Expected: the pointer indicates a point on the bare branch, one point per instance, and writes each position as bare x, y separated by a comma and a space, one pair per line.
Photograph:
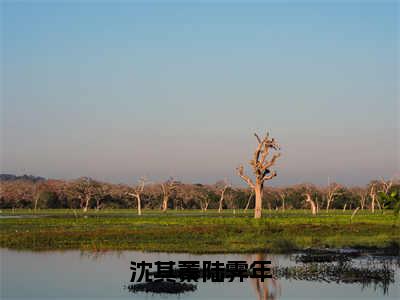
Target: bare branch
386, 185
271, 162
272, 175
133, 195
240, 172
257, 137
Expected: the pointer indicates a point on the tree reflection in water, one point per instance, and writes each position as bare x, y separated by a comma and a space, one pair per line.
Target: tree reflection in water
270, 288
99, 255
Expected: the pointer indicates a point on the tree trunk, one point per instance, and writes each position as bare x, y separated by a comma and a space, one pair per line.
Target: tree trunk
202, 206
248, 203
379, 204
258, 192
220, 203
165, 203
312, 203
373, 204
221, 200
36, 201
139, 206
85, 209
327, 205
97, 205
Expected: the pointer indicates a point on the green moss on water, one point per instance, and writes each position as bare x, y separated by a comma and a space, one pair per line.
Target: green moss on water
194, 231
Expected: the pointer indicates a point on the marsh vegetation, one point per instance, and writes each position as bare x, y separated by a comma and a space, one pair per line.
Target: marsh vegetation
195, 231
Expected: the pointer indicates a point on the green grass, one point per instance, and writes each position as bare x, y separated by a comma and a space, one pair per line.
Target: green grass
193, 231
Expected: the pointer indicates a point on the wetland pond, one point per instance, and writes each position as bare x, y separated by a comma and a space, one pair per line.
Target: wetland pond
107, 275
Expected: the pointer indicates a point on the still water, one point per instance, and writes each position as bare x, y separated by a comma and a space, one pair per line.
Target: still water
83, 275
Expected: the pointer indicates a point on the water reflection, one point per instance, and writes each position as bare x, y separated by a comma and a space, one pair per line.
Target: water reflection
101, 254
84, 275
270, 288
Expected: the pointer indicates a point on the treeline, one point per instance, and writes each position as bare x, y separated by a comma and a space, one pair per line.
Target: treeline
86, 193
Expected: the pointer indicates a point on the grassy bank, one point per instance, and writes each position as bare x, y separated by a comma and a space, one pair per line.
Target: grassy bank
194, 231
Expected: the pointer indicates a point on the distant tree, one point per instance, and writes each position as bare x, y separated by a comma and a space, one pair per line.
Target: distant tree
313, 206
85, 189
167, 188
385, 186
221, 187
231, 199
117, 196
373, 194
191, 196
309, 193
241, 196
331, 192
362, 194
282, 194
137, 192
17, 193
201, 193
389, 196
49, 199
392, 201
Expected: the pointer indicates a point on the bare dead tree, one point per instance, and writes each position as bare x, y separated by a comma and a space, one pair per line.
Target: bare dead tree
312, 204
386, 185
248, 201
362, 193
372, 194
167, 188
204, 202
137, 192
317, 204
282, 195
231, 200
261, 169
36, 197
85, 189
104, 189
375, 187
224, 186
331, 192
202, 195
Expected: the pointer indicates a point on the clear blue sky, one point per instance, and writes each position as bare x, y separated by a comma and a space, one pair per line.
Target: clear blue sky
119, 91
